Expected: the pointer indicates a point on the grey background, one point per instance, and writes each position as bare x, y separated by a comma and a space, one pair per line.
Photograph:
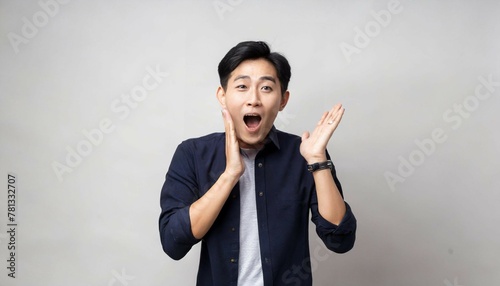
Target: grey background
97, 225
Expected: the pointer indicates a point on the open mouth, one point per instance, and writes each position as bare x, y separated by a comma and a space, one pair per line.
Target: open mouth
252, 121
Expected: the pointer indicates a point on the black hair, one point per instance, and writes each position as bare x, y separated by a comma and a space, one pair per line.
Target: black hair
254, 50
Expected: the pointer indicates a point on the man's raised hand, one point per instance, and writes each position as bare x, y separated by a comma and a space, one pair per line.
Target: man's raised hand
314, 144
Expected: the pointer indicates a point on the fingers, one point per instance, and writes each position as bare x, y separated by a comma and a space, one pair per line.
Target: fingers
228, 124
227, 118
332, 116
335, 115
322, 120
234, 163
231, 139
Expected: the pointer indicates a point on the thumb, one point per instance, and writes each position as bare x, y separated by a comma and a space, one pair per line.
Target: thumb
305, 135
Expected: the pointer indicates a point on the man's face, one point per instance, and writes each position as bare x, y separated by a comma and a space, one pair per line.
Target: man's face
253, 98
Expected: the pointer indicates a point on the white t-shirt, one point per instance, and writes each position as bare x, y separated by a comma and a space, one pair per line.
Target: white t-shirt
249, 261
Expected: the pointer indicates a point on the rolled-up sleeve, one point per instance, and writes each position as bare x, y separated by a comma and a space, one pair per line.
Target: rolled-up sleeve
179, 191
338, 238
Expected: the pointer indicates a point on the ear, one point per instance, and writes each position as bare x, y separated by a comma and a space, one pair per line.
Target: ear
221, 96
284, 100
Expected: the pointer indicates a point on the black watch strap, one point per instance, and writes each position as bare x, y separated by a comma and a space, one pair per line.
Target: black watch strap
320, 166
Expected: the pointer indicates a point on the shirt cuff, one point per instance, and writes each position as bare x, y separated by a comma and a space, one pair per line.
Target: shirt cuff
183, 234
346, 225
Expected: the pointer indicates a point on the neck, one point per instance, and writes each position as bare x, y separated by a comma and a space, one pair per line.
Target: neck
244, 145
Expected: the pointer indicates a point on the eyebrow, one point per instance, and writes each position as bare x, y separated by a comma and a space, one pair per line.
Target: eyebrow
266, 77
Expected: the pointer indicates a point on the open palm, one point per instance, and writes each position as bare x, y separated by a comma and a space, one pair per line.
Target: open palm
314, 144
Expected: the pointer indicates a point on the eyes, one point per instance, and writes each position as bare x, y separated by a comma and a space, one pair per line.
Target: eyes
265, 88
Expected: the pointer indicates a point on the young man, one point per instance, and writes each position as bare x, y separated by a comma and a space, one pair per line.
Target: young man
247, 193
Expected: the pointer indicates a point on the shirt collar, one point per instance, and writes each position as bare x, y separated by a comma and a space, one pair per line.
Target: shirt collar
272, 137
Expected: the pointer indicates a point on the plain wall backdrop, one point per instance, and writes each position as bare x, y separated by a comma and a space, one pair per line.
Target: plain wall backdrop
96, 95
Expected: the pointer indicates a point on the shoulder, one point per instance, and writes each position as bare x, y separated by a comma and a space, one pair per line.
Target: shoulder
207, 142
206, 139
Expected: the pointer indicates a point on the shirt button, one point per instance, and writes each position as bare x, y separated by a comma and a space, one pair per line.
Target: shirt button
261, 194
260, 165
233, 229
233, 260
234, 196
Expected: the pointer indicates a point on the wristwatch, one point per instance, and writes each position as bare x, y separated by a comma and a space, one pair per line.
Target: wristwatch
320, 166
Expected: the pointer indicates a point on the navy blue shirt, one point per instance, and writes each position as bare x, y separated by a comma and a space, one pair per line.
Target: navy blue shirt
285, 193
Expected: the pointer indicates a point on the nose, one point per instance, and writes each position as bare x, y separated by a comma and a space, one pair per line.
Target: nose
253, 98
